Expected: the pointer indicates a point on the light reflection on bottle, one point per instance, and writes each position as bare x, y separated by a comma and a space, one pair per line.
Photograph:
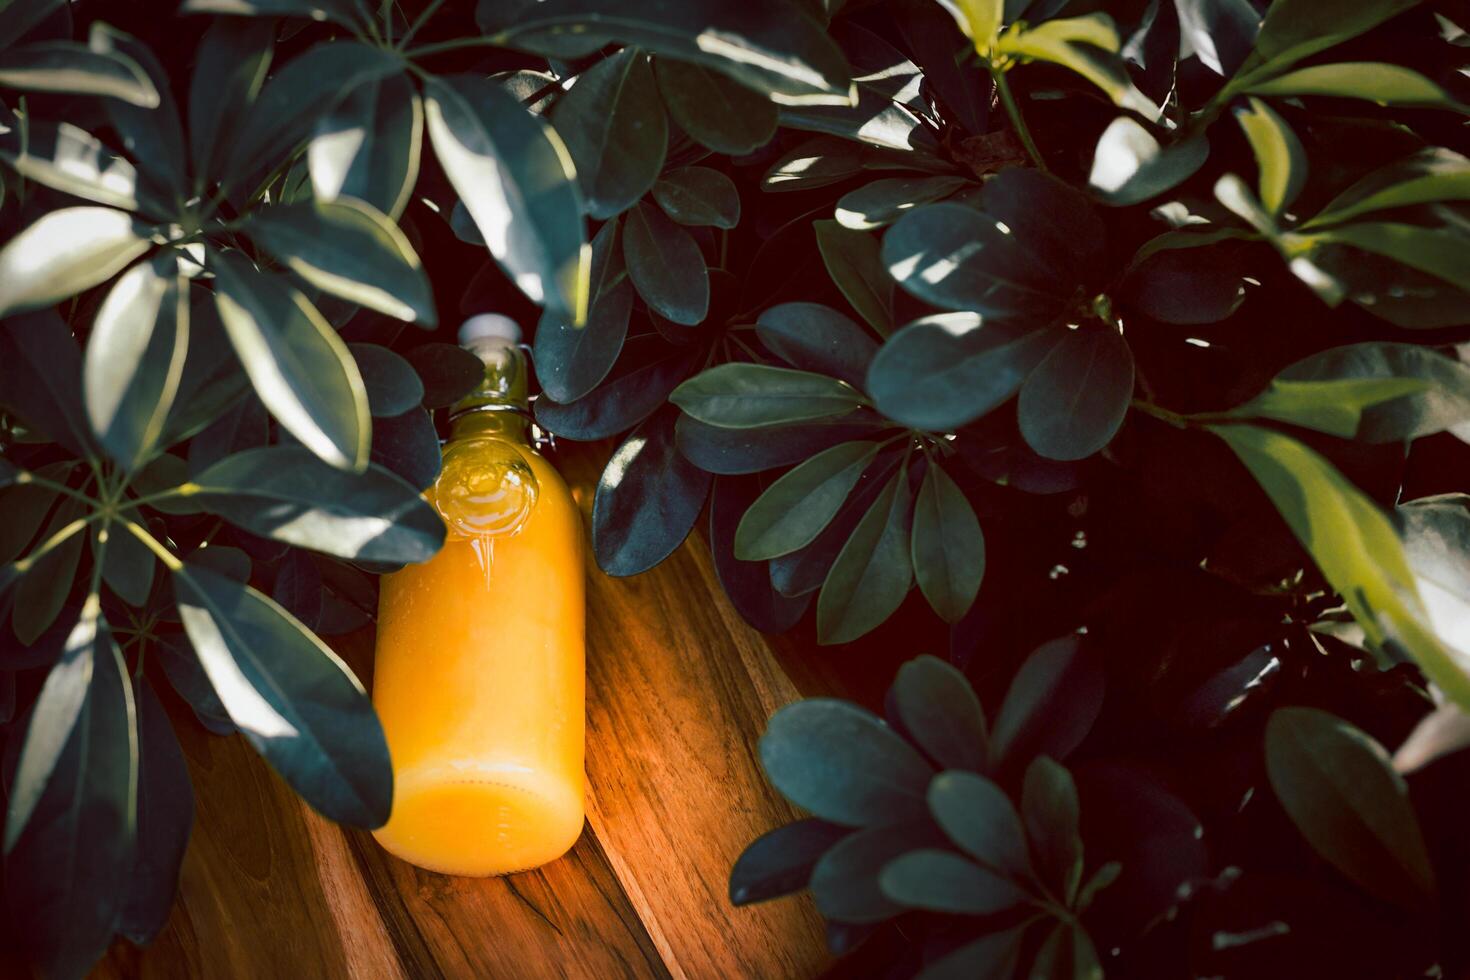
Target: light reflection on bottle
485, 490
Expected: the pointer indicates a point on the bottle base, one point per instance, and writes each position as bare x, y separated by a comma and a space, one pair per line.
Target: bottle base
482, 826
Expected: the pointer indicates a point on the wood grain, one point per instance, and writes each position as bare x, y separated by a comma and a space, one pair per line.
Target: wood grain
679, 690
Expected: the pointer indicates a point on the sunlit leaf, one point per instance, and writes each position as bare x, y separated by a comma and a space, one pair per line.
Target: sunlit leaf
66, 66
65, 252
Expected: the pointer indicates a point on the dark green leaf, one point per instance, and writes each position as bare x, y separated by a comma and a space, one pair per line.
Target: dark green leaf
698, 196
298, 95
884, 201
1054, 221
948, 546
64, 253
67, 875
732, 451
816, 163
188, 679
944, 371
294, 700
992, 957
393, 386
408, 445
1050, 706
742, 396
648, 498
638, 386
41, 377
300, 368
1432, 174
1130, 166
873, 571
66, 66
515, 177
817, 338
939, 710
854, 262
151, 135
1072, 405
747, 584
1184, 285
25, 507
1295, 29
613, 124
165, 814
666, 266
128, 567
1067, 953
1341, 791
31, 15
571, 360
962, 259
351, 250
1440, 252
942, 881
1050, 810
1220, 31
844, 764
876, 119
368, 146
135, 358
232, 61
343, 12
47, 580
756, 42
1374, 81
796, 508
245, 425
805, 570
70, 160
845, 881
780, 861
979, 817
448, 372
164, 472
715, 111
1279, 155
283, 492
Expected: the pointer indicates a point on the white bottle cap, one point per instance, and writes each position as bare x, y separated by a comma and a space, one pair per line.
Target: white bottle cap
492, 327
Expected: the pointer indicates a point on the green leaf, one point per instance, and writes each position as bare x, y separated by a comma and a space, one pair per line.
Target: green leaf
718, 113
40, 378
67, 876
165, 811
1341, 791
448, 371
48, 575
698, 196
780, 861
948, 546
1086, 45
942, 881
393, 386
368, 146
872, 574
1294, 29
1050, 810
747, 396
1067, 953
285, 493
748, 585
66, 66
571, 361
941, 372
64, 253
1436, 533
959, 258
613, 124
1050, 706
70, 160
297, 95
647, 500
1440, 252
1279, 155
298, 704
128, 567
152, 136
1221, 31
885, 201
855, 263
300, 368
738, 451
24, 16
845, 881
981, 819
351, 250
796, 508
817, 338
644, 376
515, 177
938, 709
1352, 542
1433, 174
666, 266
1073, 404
1101, 879
343, 12
135, 358
992, 957
1377, 82
232, 61
876, 120
844, 764
1130, 165
1334, 406
816, 163
756, 42
53, 719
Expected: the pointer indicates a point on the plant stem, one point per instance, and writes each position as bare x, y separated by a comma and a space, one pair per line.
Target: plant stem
26, 476
455, 45
418, 22
385, 12
182, 490
169, 559
56, 540
1018, 122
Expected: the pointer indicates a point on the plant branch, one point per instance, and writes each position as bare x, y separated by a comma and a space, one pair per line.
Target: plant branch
455, 45
169, 559
418, 22
1018, 122
27, 477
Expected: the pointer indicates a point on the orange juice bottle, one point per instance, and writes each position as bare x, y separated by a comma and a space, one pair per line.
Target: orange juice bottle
480, 673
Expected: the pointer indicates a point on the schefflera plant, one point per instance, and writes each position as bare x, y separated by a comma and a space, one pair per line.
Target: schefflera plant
969, 830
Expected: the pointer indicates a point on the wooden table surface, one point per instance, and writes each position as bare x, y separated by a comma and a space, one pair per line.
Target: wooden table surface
679, 689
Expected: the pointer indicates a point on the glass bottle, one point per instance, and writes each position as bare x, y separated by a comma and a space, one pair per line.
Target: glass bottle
480, 672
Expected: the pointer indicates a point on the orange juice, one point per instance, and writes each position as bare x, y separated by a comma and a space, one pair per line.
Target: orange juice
480, 671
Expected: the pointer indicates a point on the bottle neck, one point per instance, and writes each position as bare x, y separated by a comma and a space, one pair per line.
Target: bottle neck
499, 407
